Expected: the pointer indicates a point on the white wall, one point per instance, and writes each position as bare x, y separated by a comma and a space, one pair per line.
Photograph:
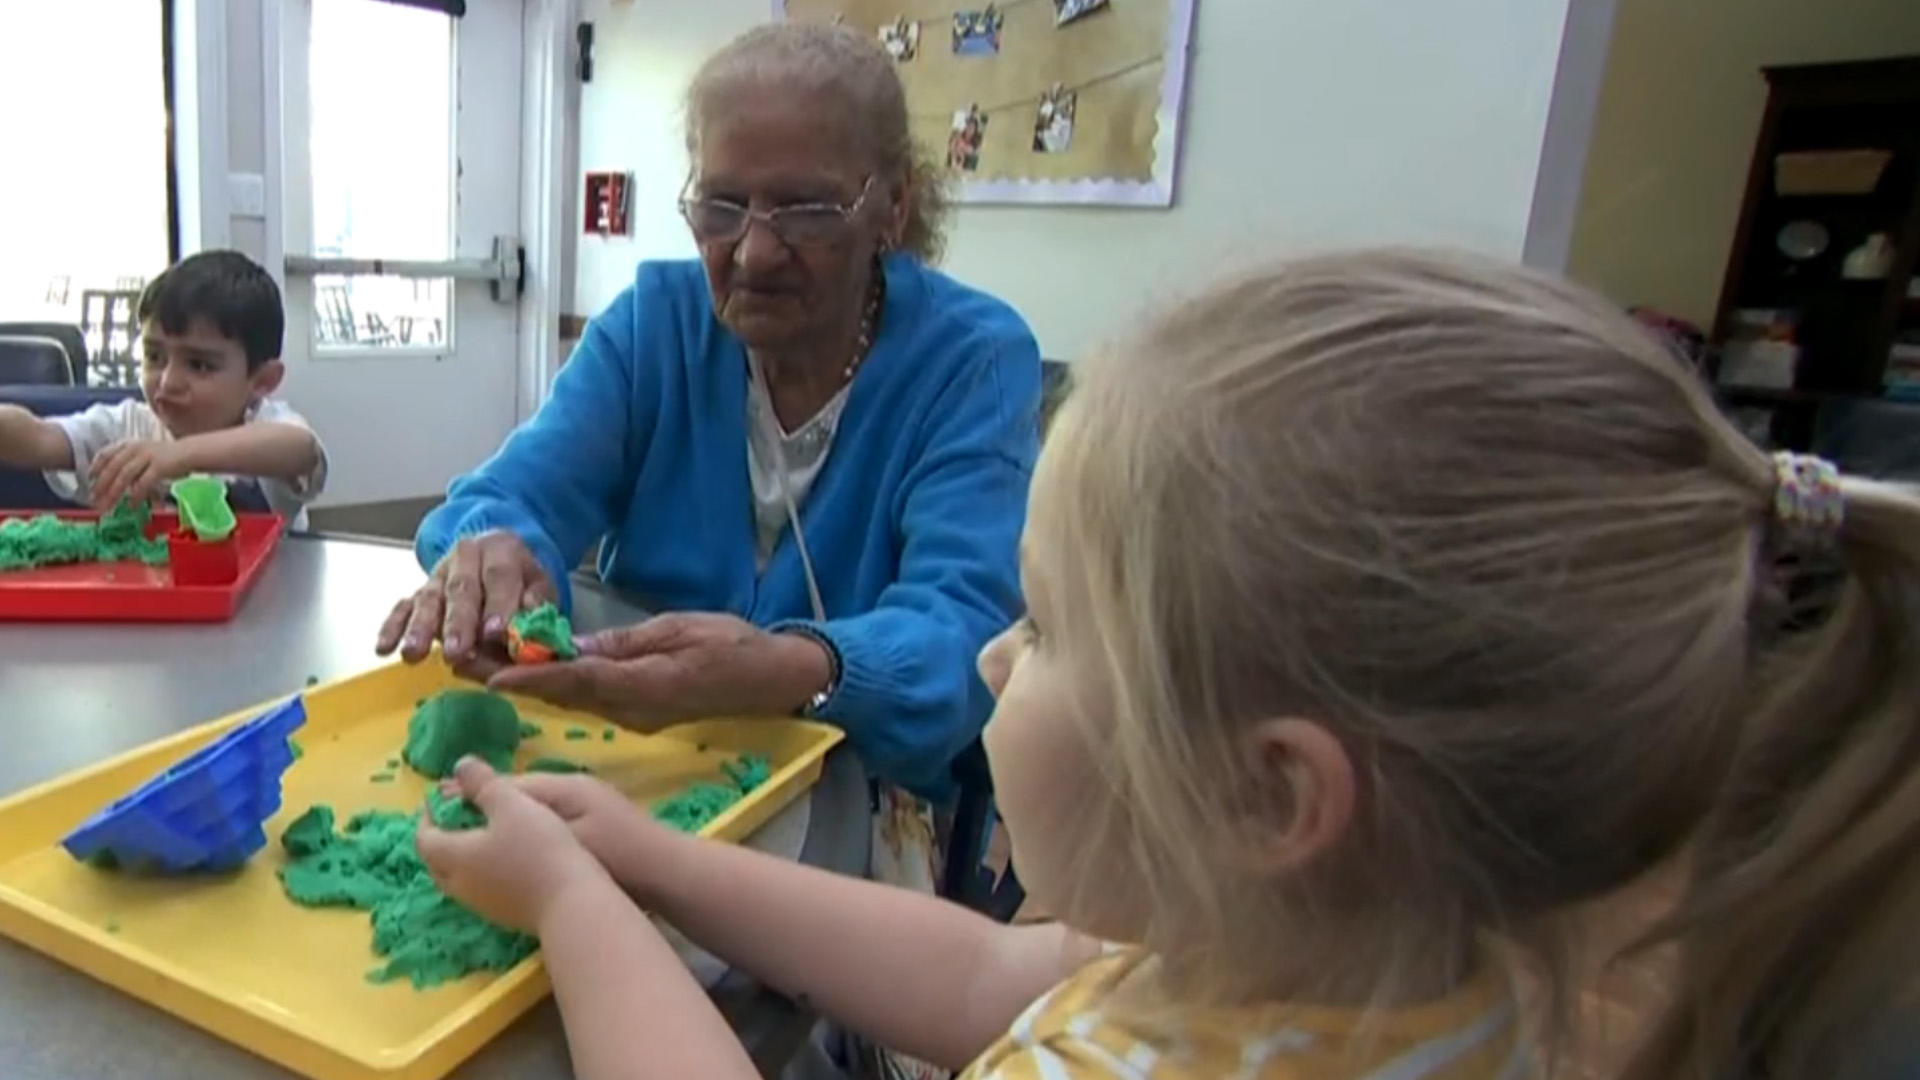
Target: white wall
1308, 123
643, 56
249, 123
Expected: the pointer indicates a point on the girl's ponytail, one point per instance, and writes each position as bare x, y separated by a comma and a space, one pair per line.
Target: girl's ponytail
1800, 956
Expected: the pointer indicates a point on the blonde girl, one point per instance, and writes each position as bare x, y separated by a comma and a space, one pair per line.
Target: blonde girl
1385, 610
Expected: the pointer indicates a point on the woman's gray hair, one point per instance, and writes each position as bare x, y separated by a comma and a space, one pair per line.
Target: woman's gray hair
840, 63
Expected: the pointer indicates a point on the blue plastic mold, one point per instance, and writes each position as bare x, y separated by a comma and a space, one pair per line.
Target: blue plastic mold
203, 814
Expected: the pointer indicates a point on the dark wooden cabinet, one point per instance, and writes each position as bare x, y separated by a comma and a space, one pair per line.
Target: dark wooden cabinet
1794, 248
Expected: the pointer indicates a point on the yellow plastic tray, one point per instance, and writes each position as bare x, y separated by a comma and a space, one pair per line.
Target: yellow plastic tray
234, 956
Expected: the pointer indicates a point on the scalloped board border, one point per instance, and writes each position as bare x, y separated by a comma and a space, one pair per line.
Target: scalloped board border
1107, 191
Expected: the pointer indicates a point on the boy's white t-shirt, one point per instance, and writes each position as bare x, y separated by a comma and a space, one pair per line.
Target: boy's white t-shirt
103, 425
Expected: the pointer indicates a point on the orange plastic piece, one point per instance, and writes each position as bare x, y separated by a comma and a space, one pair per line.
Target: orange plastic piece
526, 652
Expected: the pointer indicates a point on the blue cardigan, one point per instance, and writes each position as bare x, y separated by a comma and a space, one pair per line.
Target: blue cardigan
913, 523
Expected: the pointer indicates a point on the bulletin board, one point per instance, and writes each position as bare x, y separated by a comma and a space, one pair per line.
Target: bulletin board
1037, 101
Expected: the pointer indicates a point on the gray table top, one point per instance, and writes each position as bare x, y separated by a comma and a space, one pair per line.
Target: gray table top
74, 695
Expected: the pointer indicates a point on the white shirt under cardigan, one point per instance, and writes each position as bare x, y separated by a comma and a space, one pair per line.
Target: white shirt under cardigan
805, 451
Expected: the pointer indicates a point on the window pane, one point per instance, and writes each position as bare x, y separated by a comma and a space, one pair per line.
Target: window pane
381, 86
83, 191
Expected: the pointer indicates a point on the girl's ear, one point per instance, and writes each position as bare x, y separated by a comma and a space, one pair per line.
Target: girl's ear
1301, 797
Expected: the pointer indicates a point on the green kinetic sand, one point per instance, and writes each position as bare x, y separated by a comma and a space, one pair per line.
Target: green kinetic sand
423, 935
692, 809
453, 813
556, 765
575, 734
120, 535
373, 866
455, 723
529, 730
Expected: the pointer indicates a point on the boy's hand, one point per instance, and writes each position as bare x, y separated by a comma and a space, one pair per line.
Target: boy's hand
519, 864
135, 468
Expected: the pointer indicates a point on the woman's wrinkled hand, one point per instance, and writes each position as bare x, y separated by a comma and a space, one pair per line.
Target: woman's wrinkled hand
466, 603
677, 667
514, 869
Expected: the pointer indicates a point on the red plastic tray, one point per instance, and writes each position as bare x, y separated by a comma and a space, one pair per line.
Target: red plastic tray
131, 591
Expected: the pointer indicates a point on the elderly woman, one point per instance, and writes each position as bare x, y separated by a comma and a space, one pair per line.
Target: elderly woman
808, 450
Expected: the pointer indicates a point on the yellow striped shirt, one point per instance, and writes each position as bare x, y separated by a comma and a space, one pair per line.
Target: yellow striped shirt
1472, 1034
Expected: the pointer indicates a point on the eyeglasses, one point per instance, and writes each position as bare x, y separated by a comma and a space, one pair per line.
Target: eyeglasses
803, 224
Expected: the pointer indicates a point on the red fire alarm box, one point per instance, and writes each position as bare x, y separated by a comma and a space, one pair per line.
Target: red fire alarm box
606, 202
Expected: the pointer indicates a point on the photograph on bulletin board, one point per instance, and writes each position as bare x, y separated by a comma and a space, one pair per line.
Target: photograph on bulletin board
1036, 101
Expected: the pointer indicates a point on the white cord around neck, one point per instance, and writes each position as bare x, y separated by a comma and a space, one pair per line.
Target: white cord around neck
786, 492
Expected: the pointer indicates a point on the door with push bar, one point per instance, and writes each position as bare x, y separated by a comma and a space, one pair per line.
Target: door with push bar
401, 187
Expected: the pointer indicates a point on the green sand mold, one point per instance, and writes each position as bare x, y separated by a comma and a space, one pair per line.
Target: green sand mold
120, 535
203, 506
455, 723
373, 865
545, 625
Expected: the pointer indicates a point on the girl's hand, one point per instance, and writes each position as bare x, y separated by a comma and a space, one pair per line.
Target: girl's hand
625, 839
515, 868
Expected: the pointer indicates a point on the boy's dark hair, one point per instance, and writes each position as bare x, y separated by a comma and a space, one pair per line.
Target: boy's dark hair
227, 289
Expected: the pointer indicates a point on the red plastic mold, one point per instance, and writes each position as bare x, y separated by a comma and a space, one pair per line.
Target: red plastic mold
197, 562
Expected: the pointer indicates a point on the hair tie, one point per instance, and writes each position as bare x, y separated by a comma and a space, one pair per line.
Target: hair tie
1807, 502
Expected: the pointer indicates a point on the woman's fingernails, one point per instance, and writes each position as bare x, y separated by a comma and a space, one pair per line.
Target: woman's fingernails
496, 625
457, 645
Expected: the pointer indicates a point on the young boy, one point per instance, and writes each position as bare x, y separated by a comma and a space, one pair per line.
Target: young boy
210, 331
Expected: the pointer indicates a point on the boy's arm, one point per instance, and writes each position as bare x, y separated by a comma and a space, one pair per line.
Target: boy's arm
630, 1009
914, 973
28, 442
268, 448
